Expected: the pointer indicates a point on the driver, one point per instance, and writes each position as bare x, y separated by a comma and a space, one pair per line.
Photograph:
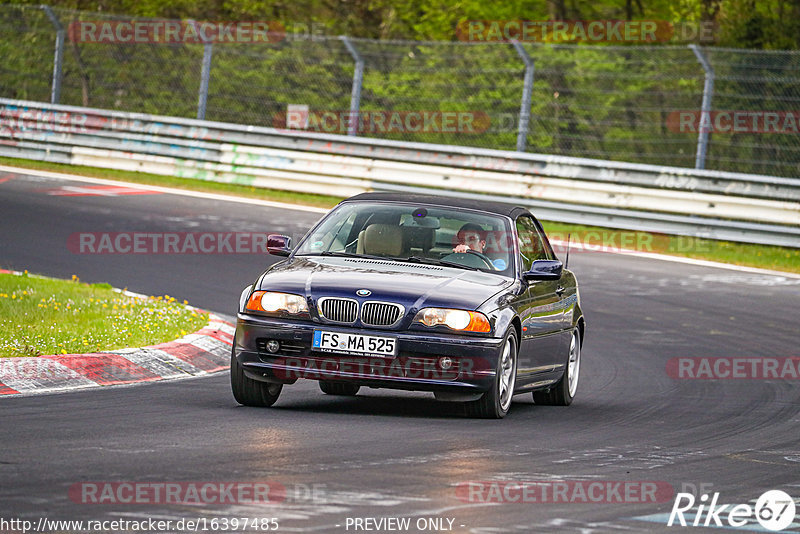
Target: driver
470, 237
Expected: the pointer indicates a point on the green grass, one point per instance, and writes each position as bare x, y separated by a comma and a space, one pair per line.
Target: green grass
762, 256
44, 316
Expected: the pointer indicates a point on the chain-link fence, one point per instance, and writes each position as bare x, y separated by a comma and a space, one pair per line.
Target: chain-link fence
628, 103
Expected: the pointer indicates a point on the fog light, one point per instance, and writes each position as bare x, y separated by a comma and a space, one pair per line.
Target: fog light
273, 345
445, 362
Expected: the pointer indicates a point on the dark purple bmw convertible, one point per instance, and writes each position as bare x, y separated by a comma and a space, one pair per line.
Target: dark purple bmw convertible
463, 298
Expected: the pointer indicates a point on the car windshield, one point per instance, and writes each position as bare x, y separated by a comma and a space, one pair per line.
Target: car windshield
414, 233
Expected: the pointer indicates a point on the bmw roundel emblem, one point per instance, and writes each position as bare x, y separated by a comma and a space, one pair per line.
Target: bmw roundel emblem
363, 292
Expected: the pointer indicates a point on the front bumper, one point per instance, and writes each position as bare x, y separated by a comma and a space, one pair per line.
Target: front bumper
415, 367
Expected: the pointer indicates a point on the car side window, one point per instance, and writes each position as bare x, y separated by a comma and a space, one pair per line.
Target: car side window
532, 245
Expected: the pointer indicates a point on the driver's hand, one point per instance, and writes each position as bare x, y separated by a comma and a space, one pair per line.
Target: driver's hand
462, 248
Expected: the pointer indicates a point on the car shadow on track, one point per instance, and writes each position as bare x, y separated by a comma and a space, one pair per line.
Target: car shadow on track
389, 406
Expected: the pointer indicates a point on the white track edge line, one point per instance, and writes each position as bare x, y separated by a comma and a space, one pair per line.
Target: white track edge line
310, 209
162, 189
681, 259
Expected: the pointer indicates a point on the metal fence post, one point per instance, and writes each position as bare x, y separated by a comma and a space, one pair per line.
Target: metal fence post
58, 60
358, 78
205, 71
527, 90
205, 74
705, 109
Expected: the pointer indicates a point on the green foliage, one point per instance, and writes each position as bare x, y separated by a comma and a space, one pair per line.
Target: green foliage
768, 24
597, 101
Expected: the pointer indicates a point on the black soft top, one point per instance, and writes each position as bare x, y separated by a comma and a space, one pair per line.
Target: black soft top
498, 208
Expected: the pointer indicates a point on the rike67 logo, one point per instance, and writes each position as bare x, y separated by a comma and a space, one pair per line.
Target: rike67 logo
774, 510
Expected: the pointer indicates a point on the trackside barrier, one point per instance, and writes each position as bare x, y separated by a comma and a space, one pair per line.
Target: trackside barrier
671, 200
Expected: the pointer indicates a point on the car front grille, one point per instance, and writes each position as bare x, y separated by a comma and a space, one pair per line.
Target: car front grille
338, 310
373, 313
380, 313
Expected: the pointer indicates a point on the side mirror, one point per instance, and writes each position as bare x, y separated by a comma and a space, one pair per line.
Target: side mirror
544, 270
279, 245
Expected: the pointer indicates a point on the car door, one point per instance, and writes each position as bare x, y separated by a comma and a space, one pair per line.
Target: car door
540, 306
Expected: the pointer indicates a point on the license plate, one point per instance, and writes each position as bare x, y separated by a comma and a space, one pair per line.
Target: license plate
346, 343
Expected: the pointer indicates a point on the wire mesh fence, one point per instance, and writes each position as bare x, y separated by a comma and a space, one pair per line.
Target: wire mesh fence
627, 103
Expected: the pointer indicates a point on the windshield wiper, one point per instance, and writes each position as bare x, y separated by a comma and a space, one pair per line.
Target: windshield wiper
410, 259
347, 255
337, 254
433, 261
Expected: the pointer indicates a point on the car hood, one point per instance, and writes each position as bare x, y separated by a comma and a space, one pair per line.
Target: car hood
410, 284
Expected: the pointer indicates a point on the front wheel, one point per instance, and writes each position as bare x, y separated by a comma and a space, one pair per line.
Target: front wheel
562, 393
494, 404
251, 392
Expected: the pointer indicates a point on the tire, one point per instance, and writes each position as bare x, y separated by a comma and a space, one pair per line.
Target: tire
251, 392
338, 388
495, 403
562, 393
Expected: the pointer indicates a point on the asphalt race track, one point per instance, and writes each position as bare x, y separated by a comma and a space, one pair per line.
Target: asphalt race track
386, 454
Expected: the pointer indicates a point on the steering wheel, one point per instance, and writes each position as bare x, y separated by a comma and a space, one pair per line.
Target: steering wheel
483, 258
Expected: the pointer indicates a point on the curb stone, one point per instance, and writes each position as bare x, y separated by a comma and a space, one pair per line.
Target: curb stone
199, 353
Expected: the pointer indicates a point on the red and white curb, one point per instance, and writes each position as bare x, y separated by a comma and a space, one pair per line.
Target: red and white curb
206, 351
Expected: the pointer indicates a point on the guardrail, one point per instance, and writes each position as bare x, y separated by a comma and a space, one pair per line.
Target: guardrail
672, 200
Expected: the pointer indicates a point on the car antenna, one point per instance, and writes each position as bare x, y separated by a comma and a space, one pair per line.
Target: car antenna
566, 263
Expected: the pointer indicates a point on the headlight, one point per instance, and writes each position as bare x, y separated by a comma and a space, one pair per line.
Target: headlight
466, 321
270, 301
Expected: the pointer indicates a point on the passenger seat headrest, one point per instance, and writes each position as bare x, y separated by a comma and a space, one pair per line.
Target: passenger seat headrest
384, 240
